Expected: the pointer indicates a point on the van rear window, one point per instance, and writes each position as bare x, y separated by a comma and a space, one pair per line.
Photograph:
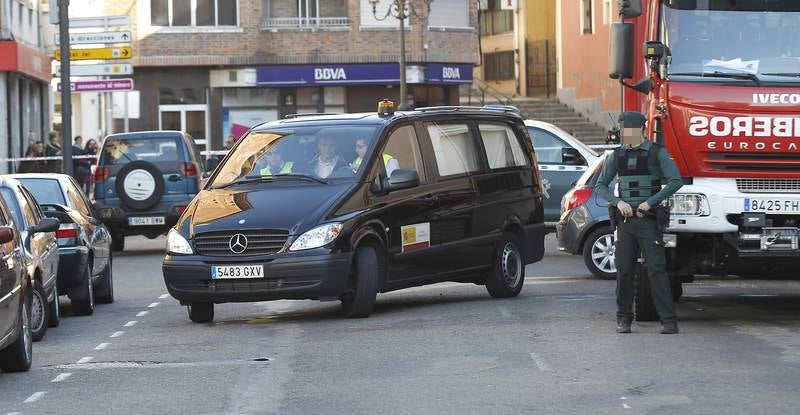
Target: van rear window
117, 151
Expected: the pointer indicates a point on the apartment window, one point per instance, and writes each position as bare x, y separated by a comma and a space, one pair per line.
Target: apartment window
607, 17
183, 13
449, 14
587, 27
304, 13
498, 66
495, 21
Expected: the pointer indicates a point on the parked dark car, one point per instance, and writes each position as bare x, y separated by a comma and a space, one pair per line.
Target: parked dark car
85, 273
40, 250
144, 181
344, 207
16, 343
562, 159
585, 228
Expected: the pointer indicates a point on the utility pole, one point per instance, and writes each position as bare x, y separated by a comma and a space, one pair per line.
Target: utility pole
66, 87
403, 87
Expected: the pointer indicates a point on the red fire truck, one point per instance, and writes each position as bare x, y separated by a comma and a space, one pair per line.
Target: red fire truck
719, 81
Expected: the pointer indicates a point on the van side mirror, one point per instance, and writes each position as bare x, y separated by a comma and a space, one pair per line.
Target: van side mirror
572, 157
630, 8
403, 179
620, 51
6, 234
46, 225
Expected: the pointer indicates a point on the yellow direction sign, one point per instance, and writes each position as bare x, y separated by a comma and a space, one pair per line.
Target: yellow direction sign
97, 54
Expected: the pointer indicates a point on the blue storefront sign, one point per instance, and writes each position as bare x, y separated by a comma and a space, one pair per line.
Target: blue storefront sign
443, 73
365, 74
321, 75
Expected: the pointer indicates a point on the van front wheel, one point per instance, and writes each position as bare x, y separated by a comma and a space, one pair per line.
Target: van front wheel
508, 274
362, 300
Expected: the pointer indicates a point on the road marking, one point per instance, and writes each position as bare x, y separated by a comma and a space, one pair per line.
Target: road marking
504, 312
142, 313
540, 363
14, 413
757, 295
35, 397
153, 305
117, 334
163, 296
130, 323
102, 346
85, 359
626, 406
62, 377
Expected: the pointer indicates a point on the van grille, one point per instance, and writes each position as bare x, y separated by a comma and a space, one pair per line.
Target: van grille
259, 242
768, 185
755, 162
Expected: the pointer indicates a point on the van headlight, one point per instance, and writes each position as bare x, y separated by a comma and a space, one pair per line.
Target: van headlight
317, 237
177, 244
685, 204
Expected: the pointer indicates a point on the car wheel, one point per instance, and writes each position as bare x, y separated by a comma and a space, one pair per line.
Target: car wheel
508, 275
599, 253
367, 269
117, 242
201, 312
105, 293
39, 314
17, 357
85, 307
54, 309
644, 307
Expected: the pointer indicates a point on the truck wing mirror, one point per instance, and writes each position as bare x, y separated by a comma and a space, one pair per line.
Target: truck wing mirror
620, 64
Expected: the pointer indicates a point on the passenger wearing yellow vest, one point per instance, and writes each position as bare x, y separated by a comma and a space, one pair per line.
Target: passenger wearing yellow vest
389, 162
275, 164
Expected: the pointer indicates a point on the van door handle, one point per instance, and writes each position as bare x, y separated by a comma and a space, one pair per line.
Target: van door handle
175, 178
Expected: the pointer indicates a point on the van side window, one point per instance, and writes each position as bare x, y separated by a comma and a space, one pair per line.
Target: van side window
402, 152
454, 148
502, 146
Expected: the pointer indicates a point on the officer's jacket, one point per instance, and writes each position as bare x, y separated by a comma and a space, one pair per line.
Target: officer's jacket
640, 175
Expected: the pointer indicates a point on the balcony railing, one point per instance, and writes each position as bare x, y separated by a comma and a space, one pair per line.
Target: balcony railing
303, 22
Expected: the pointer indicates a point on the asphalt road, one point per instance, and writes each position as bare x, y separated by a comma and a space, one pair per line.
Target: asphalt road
443, 349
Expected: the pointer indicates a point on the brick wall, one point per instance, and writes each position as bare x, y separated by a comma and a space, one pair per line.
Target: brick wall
253, 46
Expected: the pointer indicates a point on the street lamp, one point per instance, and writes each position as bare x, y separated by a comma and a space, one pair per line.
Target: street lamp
400, 10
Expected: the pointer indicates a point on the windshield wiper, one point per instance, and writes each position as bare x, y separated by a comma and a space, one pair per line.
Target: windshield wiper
786, 74
301, 176
246, 180
265, 178
717, 74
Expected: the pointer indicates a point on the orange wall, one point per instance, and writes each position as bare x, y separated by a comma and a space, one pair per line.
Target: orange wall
584, 58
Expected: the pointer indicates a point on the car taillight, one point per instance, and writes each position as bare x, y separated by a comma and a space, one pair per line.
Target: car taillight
189, 169
181, 209
100, 175
67, 233
578, 197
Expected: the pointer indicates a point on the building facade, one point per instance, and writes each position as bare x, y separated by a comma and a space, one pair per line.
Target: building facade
518, 47
217, 67
25, 98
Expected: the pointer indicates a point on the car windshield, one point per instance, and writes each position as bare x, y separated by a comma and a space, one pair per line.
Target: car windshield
119, 151
315, 152
46, 191
747, 39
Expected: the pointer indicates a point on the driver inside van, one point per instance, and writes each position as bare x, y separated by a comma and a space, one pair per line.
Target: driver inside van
275, 163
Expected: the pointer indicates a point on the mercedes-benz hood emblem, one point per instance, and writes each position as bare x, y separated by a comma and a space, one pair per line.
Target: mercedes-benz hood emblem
238, 243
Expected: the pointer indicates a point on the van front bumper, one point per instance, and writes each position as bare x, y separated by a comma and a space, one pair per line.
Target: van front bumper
286, 276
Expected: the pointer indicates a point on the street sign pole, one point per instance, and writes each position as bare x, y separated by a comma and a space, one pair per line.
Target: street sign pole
66, 93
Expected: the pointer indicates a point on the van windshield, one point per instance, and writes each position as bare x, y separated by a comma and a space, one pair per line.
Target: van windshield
319, 152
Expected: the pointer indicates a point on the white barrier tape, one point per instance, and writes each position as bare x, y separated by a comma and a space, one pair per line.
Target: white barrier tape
604, 146
214, 152
46, 158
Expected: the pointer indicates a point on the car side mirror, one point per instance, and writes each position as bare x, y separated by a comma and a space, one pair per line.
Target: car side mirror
46, 225
403, 179
6, 234
571, 157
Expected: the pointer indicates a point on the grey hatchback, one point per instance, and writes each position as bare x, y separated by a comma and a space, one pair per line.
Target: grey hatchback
144, 181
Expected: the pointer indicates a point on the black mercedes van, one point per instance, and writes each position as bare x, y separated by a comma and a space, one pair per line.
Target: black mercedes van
343, 207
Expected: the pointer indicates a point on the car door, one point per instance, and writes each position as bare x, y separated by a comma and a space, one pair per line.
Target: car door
557, 174
455, 154
42, 245
9, 283
405, 213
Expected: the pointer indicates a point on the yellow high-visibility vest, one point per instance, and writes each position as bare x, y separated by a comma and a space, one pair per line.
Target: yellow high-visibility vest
287, 168
386, 159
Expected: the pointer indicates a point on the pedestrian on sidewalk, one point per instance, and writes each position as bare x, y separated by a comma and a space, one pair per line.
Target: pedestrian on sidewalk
80, 166
52, 148
35, 149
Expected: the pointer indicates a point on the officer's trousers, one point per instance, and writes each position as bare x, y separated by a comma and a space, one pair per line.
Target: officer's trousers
634, 234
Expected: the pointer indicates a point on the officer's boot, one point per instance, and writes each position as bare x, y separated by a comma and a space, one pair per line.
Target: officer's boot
624, 324
669, 327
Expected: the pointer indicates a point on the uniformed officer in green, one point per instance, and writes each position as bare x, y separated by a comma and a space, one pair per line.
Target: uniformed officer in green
276, 164
642, 167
